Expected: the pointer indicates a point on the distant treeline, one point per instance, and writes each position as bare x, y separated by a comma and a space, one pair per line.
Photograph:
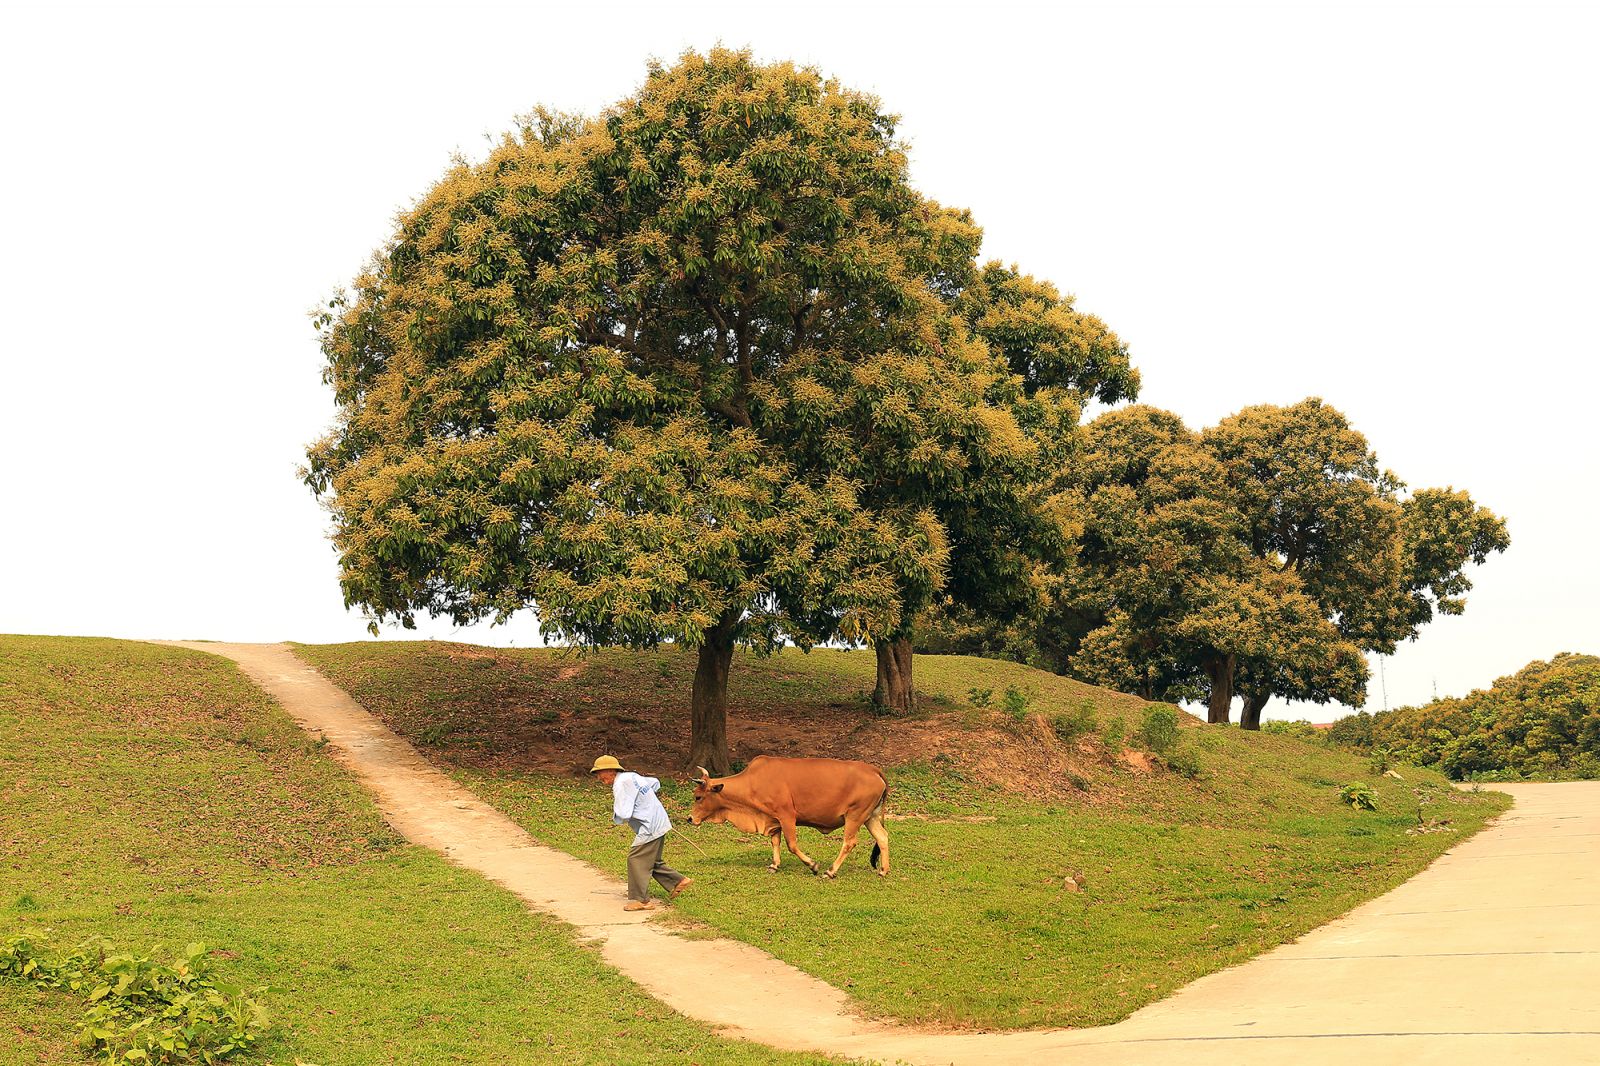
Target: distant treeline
1541, 722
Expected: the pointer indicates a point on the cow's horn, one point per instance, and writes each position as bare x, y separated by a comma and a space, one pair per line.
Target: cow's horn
705, 775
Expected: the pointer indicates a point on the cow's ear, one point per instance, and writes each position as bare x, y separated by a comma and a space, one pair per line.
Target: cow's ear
717, 787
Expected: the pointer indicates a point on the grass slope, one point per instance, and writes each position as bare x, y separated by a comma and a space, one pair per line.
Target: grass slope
974, 926
152, 795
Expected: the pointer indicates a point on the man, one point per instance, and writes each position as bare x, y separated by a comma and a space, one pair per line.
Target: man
634, 803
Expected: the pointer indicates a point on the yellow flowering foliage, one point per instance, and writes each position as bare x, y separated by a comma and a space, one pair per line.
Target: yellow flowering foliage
1318, 505
1541, 722
704, 360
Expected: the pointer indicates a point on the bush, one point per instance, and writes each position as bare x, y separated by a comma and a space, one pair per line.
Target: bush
980, 696
1016, 702
1542, 722
1113, 734
1160, 729
1300, 729
1353, 730
1071, 724
1184, 761
141, 1010
1359, 797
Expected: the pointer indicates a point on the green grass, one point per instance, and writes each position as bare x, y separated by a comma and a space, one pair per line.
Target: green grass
974, 926
152, 796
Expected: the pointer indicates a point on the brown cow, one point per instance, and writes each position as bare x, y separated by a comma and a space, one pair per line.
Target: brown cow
773, 796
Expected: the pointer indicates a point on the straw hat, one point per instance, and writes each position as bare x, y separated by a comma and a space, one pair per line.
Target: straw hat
605, 762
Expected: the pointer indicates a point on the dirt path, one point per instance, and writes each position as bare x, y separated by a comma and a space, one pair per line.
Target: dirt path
1491, 955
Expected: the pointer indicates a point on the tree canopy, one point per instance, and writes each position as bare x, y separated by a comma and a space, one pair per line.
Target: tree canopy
704, 368
1296, 552
1168, 594
1262, 557
1008, 526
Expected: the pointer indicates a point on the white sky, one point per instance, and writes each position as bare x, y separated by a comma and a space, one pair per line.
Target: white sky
1390, 206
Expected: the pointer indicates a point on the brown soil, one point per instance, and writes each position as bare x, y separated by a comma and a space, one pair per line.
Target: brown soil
1137, 761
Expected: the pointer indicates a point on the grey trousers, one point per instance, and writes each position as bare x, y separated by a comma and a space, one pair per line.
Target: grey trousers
644, 862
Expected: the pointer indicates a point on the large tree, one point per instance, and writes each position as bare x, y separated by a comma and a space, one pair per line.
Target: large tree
1260, 558
688, 371
1316, 504
1166, 597
1008, 524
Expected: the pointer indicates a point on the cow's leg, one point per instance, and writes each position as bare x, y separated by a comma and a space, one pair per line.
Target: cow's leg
880, 840
776, 854
852, 828
793, 841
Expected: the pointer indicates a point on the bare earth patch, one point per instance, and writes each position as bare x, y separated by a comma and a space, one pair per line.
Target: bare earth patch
552, 711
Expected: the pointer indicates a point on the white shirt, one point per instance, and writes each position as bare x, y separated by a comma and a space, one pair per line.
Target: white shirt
634, 802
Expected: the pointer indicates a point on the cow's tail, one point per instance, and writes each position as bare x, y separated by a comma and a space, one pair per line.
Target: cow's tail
877, 815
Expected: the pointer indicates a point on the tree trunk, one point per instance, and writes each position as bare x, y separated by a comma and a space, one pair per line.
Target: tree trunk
708, 705
893, 692
1220, 703
1250, 715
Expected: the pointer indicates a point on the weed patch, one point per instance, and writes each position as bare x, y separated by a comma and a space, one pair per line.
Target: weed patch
141, 1009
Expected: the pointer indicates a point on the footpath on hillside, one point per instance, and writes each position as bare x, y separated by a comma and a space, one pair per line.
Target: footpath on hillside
1491, 955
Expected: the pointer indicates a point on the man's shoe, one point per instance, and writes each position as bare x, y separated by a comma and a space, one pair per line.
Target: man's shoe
636, 905
681, 885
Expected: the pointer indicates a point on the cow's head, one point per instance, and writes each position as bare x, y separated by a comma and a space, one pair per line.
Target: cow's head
708, 805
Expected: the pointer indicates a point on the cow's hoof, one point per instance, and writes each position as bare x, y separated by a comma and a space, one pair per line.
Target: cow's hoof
883, 873
772, 869
830, 875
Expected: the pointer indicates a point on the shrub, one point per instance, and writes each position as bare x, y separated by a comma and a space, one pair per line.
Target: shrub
1359, 797
141, 1010
1353, 730
1300, 729
1113, 734
980, 697
1160, 729
1184, 761
1016, 702
1071, 724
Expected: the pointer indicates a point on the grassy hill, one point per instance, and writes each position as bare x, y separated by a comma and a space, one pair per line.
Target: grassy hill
981, 922
151, 795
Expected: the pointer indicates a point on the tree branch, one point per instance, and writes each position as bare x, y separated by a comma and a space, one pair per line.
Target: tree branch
737, 415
